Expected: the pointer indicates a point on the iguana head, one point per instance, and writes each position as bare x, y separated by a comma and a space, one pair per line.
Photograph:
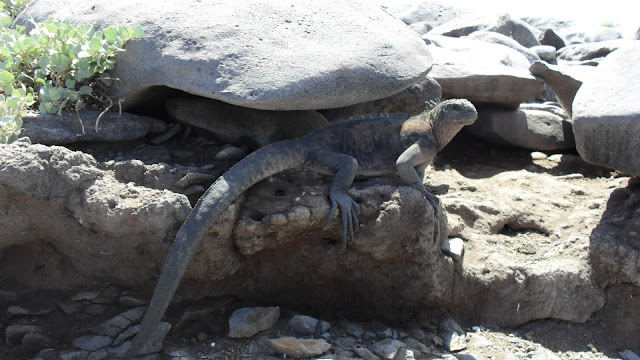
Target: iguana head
449, 116
454, 111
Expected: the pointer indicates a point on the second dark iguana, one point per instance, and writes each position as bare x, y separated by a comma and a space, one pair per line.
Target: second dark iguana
383, 146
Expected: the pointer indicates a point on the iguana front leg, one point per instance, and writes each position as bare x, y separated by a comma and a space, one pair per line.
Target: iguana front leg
344, 167
412, 162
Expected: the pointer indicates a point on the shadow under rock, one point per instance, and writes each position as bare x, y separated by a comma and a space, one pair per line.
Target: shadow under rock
474, 158
614, 250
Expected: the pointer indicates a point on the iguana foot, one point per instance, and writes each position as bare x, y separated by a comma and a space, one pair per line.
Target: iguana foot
435, 203
349, 210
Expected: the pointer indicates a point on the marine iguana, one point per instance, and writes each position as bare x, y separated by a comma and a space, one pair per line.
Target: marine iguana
382, 146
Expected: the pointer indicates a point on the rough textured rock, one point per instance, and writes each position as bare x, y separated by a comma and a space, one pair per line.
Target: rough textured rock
92, 342
504, 24
590, 51
366, 354
497, 38
300, 348
551, 38
50, 192
241, 125
603, 34
424, 14
453, 336
556, 281
76, 127
564, 80
15, 333
351, 52
529, 129
409, 101
388, 348
522, 259
545, 52
481, 72
247, 322
606, 113
303, 325
614, 243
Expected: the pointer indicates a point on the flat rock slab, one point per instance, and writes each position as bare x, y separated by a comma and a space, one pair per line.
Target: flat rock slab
589, 51
564, 80
606, 113
262, 54
481, 72
504, 24
497, 38
300, 348
246, 322
533, 129
88, 126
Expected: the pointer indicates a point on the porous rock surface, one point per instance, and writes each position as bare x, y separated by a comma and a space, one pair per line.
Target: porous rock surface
58, 203
261, 54
112, 223
270, 244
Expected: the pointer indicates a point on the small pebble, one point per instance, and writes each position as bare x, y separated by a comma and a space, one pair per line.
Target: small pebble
537, 155
555, 157
453, 247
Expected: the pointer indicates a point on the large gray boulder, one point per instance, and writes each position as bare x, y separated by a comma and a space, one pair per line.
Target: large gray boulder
504, 24
551, 38
590, 51
606, 112
422, 16
564, 80
532, 127
497, 38
261, 54
481, 72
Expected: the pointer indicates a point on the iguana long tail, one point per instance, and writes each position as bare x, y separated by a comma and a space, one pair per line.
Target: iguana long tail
264, 162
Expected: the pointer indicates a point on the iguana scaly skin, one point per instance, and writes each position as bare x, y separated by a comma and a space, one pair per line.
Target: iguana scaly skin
370, 147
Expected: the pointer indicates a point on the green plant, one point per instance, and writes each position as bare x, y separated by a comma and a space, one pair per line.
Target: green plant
54, 67
609, 24
11, 8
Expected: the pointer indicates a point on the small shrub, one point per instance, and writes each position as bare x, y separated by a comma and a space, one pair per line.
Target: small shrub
54, 67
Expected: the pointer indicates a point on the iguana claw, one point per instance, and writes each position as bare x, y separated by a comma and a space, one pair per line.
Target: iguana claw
349, 210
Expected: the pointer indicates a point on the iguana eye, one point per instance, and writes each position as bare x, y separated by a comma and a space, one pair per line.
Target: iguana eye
456, 107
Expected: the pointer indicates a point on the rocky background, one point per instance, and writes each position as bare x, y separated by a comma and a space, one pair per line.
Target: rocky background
542, 260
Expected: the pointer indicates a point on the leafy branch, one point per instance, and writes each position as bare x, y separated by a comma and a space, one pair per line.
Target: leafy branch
54, 67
